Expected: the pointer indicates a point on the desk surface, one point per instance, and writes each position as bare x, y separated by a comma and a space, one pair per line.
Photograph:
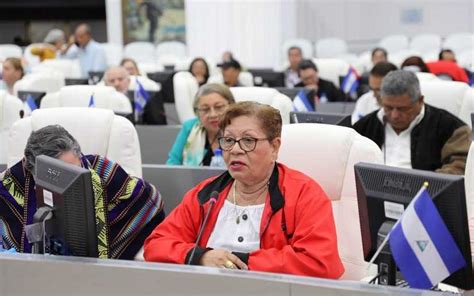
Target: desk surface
25, 274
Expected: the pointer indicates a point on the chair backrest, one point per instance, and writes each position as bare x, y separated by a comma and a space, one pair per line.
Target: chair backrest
469, 186
425, 76
175, 48
10, 51
50, 81
447, 95
98, 131
394, 43
265, 95
140, 51
10, 107
425, 43
397, 58
113, 53
69, 68
185, 87
459, 42
330, 48
467, 107
146, 82
30, 59
305, 45
105, 97
331, 69
327, 153
466, 59
245, 78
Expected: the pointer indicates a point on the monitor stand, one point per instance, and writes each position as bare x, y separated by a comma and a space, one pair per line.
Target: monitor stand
386, 267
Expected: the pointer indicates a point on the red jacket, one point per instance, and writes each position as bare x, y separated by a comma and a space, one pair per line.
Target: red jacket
297, 232
449, 68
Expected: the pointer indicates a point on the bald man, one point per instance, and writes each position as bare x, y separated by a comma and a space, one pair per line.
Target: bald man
118, 78
90, 53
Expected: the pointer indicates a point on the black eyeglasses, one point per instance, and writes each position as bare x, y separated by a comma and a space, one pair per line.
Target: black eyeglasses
247, 144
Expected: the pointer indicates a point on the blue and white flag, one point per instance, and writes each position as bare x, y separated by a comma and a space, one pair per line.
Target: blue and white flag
91, 101
140, 97
301, 102
422, 246
30, 105
350, 83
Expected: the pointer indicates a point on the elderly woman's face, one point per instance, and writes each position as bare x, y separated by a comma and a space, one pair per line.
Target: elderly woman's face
252, 166
210, 109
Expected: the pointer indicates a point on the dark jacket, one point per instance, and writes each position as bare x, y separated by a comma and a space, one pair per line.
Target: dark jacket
328, 89
440, 142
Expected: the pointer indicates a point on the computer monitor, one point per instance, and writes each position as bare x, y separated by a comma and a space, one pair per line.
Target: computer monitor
319, 117
67, 189
289, 92
95, 77
384, 192
165, 78
76, 81
36, 95
267, 77
154, 112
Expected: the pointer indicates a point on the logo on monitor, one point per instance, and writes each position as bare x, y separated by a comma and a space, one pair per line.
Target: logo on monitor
53, 174
396, 184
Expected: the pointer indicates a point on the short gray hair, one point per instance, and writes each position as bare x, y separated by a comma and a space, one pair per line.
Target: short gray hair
53, 36
51, 140
398, 83
212, 88
115, 68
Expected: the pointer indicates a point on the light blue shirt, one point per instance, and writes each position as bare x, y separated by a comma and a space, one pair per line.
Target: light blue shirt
91, 57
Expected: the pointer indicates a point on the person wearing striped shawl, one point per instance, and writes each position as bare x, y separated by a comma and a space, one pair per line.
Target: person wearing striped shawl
127, 208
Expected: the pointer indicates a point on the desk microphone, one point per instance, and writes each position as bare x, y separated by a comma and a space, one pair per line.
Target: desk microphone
212, 202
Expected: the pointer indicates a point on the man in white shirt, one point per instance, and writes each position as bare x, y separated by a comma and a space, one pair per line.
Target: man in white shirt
413, 134
295, 56
90, 53
370, 101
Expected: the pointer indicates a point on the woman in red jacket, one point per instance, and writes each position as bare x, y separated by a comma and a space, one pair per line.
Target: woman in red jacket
262, 215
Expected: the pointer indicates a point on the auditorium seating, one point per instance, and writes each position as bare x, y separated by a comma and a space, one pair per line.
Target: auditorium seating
113, 53
69, 68
330, 48
265, 95
98, 131
469, 183
10, 51
146, 82
425, 76
245, 78
10, 107
459, 42
185, 87
424, 43
49, 81
332, 165
105, 97
175, 48
332, 69
394, 43
140, 51
30, 59
305, 45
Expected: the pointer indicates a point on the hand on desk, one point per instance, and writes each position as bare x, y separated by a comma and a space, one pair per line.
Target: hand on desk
223, 259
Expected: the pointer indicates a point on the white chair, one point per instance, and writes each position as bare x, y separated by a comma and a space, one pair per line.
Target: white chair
459, 42
113, 53
332, 166
397, 58
332, 69
11, 51
175, 48
364, 62
265, 95
10, 107
305, 45
394, 43
469, 185
330, 48
425, 43
69, 68
425, 76
467, 106
185, 87
146, 82
149, 67
40, 82
105, 97
30, 59
245, 78
140, 51
447, 95
466, 59
98, 131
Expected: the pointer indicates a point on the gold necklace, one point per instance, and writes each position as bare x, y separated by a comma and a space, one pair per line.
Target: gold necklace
237, 219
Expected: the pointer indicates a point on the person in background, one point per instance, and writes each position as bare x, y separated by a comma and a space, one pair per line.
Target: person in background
131, 66
117, 77
230, 72
267, 216
447, 55
413, 134
197, 140
370, 101
319, 90
447, 68
54, 45
133, 207
414, 64
378, 55
12, 72
227, 56
200, 70
295, 55
90, 53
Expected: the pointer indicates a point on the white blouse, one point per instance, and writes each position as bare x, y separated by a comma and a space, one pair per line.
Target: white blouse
237, 237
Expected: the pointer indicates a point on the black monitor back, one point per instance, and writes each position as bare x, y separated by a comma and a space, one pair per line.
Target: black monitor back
289, 92
76, 81
154, 112
68, 190
268, 77
318, 117
382, 189
95, 76
165, 79
36, 95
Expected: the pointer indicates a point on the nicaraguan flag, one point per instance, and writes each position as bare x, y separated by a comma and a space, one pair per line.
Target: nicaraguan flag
422, 246
301, 102
140, 98
91, 101
30, 105
350, 83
